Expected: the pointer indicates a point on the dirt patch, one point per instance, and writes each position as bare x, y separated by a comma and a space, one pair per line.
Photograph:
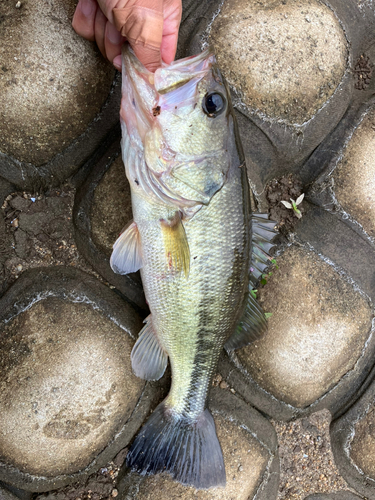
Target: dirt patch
36, 230
99, 486
362, 72
283, 189
306, 461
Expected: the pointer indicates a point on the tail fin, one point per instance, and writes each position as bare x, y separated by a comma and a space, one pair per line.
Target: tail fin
189, 451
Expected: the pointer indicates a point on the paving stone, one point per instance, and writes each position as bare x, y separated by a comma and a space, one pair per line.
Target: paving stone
54, 85
354, 176
54, 419
102, 208
306, 350
281, 120
339, 242
249, 447
111, 207
319, 330
10, 493
352, 436
68, 395
340, 495
267, 50
362, 445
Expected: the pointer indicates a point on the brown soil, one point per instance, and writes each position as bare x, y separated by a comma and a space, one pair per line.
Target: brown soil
284, 188
37, 231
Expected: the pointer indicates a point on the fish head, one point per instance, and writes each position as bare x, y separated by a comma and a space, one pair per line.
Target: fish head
179, 118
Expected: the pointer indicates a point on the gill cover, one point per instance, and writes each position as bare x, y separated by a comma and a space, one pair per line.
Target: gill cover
174, 126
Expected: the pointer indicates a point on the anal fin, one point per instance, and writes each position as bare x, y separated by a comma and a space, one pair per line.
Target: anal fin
176, 245
149, 359
250, 328
126, 255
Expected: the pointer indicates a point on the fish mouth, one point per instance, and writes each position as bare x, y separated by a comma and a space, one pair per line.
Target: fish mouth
183, 69
171, 76
145, 94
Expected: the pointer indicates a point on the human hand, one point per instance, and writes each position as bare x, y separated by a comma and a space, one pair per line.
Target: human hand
150, 26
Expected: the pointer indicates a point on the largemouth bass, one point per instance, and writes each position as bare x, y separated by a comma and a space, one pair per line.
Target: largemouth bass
191, 238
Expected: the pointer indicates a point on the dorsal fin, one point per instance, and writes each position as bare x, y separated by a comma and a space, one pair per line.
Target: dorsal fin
253, 323
251, 327
263, 233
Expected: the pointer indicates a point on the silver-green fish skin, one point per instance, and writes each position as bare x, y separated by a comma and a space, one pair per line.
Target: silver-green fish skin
183, 167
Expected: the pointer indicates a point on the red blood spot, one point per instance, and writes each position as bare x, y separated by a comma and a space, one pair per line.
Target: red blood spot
156, 111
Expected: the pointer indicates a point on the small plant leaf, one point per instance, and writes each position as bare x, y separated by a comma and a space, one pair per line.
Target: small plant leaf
286, 204
268, 315
275, 263
254, 293
300, 198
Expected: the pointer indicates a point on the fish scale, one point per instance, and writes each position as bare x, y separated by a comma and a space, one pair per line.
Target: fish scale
191, 239
190, 311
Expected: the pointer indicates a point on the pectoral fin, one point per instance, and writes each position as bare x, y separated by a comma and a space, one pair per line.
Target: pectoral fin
127, 256
251, 327
176, 244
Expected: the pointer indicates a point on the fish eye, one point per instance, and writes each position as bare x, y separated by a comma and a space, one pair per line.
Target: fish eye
213, 104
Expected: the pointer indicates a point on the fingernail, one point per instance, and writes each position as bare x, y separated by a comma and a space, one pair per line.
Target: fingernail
117, 63
87, 7
113, 35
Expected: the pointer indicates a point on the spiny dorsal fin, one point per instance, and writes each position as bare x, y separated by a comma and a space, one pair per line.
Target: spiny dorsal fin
263, 233
126, 255
176, 244
253, 323
149, 359
251, 327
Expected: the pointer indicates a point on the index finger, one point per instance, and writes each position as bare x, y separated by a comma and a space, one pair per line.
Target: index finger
172, 17
149, 57
143, 28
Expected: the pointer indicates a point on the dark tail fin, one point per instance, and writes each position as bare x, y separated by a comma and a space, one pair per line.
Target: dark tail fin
190, 452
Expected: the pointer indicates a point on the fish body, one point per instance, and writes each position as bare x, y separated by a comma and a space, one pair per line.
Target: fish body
191, 239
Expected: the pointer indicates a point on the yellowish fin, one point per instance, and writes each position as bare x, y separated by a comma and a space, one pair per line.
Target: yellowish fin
176, 244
